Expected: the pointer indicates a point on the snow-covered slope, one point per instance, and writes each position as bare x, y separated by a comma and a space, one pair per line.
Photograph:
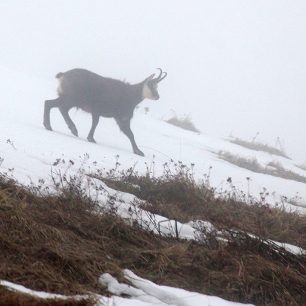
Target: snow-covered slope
30, 150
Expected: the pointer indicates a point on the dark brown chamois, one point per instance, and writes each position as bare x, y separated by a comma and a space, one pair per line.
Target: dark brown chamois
101, 96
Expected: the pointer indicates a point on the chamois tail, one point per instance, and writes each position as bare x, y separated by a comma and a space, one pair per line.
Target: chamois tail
59, 75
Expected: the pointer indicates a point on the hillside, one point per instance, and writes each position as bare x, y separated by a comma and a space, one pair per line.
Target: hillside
182, 216
69, 244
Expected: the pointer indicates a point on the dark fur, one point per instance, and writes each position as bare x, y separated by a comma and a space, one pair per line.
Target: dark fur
99, 96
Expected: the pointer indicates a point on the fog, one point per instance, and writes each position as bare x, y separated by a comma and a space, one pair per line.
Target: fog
237, 67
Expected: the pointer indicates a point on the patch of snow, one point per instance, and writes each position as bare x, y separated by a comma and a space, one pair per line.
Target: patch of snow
147, 291
293, 249
38, 294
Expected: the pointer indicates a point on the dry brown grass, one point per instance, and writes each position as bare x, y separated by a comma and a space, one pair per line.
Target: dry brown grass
183, 123
258, 146
61, 244
273, 168
302, 166
177, 196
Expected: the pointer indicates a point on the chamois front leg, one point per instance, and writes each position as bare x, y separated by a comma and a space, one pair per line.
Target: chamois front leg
124, 125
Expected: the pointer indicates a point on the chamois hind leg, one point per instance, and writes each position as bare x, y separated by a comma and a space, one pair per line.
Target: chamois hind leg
49, 104
95, 121
64, 111
125, 127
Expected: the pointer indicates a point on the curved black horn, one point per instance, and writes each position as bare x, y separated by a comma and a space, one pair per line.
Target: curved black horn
160, 73
160, 77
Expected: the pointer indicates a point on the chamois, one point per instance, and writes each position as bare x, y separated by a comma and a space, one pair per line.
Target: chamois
101, 96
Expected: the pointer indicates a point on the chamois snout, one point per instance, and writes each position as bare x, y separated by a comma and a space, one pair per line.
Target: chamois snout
156, 96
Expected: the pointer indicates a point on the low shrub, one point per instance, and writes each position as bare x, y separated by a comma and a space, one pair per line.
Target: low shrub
183, 122
258, 146
252, 164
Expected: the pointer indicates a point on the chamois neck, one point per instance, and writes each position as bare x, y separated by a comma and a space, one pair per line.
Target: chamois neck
137, 90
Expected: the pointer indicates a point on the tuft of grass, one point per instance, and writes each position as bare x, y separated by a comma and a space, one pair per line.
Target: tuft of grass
258, 146
252, 164
183, 122
302, 166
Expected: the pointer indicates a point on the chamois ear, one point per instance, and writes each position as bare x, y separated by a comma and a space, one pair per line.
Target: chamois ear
150, 77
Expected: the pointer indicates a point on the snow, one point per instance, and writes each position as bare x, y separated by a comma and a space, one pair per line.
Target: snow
289, 247
142, 293
175, 296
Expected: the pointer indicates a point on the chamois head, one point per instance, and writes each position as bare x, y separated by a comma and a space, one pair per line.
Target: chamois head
149, 90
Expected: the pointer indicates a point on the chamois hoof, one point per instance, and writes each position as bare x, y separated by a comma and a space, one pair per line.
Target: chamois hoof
90, 139
138, 152
47, 126
75, 132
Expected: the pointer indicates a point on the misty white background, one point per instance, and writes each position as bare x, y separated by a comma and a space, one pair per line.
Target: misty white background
235, 66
